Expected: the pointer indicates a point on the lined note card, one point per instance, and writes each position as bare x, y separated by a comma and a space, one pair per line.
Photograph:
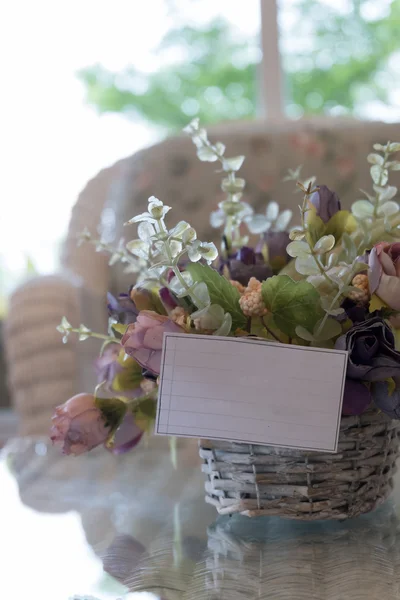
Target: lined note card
251, 391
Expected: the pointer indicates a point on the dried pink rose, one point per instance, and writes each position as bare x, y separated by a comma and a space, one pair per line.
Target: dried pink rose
78, 425
384, 273
143, 340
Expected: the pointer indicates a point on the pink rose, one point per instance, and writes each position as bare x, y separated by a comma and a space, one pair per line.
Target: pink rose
143, 339
78, 425
384, 273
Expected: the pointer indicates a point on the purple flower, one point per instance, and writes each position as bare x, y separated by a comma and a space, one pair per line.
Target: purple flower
78, 425
356, 399
326, 202
245, 264
389, 404
384, 273
371, 348
273, 245
143, 340
168, 299
121, 378
127, 436
122, 309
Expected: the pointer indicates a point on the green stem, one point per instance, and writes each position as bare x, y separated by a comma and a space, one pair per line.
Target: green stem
270, 331
92, 334
383, 167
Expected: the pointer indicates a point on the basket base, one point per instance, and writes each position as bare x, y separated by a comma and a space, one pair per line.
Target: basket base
267, 481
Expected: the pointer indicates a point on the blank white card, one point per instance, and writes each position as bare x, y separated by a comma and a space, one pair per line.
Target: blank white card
250, 391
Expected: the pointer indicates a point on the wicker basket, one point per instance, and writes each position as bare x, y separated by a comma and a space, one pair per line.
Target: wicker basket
264, 480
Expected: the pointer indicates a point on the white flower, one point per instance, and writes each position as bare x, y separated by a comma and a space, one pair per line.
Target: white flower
272, 220
156, 211
197, 250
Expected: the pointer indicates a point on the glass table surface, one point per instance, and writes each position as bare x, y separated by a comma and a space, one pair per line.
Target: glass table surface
137, 527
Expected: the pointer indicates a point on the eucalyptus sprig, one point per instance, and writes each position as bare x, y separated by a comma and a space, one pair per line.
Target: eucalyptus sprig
231, 212
164, 249
84, 333
120, 253
379, 214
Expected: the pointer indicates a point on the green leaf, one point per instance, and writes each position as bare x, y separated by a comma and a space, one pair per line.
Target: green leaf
375, 159
394, 147
315, 226
113, 411
130, 377
298, 248
376, 171
324, 244
362, 209
119, 328
292, 303
307, 266
221, 292
330, 329
340, 223
144, 413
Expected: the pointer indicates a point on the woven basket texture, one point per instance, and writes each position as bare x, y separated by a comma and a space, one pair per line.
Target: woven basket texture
263, 480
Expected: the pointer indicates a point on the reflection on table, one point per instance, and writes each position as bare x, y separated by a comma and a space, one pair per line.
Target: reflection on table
135, 527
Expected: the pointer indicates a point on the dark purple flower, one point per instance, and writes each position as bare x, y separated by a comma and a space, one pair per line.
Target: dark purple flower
168, 299
122, 309
273, 246
389, 404
356, 399
326, 202
246, 263
119, 378
371, 348
353, 311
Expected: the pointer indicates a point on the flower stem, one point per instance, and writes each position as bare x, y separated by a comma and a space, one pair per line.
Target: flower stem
270, 331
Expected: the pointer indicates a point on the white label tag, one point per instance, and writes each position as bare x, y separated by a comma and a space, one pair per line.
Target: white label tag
251, 391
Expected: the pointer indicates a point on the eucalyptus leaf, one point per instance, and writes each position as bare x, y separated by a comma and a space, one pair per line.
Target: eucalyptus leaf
304, 334
307, 266
297, 235
330, 329
324, 244
282, 222
220, 291
272, 211
385, 193
233, 164
388, 209
362, 209
375, 159
206, 154
298, 248
291, 303
376, 171
394, 147
349, 246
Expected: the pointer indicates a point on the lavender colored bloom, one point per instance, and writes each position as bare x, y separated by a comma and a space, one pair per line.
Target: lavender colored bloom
246, 263
143, 340
168, 299
123, 309
371, 348
109, 369
326, 202
78, 425
389, 404
127, 436
356, 399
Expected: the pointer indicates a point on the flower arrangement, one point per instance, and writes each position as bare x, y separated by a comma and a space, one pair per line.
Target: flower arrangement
333, 281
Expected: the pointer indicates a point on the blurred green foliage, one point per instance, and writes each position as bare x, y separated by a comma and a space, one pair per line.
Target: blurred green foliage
331, 58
